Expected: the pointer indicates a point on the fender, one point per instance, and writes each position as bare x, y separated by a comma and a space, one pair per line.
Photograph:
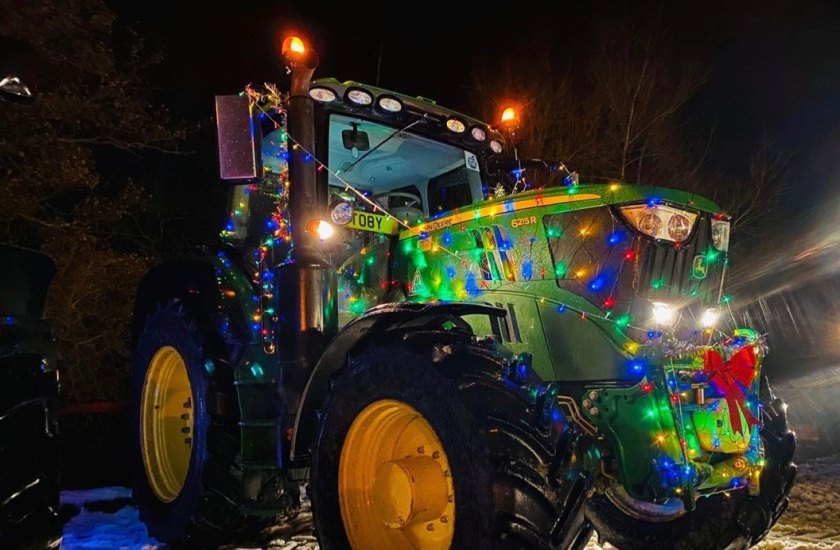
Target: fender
215, 292
378, 322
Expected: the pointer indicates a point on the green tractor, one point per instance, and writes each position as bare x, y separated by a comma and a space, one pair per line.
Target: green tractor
442, 354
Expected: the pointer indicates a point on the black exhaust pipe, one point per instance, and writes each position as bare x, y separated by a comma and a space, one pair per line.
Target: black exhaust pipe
308, 316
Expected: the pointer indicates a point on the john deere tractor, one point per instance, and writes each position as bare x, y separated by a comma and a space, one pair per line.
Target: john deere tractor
446, 345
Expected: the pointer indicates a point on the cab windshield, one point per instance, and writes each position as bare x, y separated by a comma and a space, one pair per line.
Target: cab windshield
412, 176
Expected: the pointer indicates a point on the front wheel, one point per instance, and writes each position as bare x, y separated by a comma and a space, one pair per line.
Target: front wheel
397, 463
730, 521
431, 449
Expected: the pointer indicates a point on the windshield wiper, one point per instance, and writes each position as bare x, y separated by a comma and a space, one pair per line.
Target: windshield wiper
378, 145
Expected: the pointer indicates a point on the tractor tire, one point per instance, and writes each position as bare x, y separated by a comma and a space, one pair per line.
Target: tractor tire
481, 429
186, 480
720, 521
538, 499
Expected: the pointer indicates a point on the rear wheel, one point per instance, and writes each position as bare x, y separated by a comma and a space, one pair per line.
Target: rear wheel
413, 453
187, 483
167, 424
730, 521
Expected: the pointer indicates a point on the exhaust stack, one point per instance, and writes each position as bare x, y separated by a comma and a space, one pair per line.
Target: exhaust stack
308, 307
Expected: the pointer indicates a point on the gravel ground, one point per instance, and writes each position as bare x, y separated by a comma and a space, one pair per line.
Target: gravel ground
107, 520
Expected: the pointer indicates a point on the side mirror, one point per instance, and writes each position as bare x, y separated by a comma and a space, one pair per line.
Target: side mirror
240, 159
14, 89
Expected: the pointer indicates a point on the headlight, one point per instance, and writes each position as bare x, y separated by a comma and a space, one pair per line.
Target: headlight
359, 96
660, 221
389, 104
650, 224
322, 94
709, 318
478, 133
496, 146
456, 126
679, 227
720, 235
663, 314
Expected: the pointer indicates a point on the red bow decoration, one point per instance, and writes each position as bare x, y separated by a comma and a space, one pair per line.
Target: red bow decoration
732, 379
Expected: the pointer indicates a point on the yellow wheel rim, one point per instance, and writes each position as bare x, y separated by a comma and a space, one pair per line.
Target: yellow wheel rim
166, 423
395, 486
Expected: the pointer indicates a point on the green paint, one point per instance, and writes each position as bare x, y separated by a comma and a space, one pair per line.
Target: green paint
420, 259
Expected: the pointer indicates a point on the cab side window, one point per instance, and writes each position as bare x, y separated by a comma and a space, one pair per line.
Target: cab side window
449, 191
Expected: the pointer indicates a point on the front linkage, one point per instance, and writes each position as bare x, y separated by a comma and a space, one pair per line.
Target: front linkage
691, 427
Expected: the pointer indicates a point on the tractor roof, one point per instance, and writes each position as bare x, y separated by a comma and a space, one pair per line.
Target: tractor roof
433, 116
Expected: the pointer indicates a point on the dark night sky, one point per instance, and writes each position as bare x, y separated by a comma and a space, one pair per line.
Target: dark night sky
775, 65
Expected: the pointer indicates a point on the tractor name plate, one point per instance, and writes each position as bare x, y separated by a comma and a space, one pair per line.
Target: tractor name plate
374, 222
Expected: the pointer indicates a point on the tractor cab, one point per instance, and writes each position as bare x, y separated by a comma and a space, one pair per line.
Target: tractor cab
382, 143
409, 175
390, 162
401, 157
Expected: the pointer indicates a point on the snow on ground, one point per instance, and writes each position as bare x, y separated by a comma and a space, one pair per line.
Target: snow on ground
812, 520
108, 521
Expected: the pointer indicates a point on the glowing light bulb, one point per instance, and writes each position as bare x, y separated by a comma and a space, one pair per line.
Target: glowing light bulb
709, 318
320, 229
293, 44
509, 116
662, 313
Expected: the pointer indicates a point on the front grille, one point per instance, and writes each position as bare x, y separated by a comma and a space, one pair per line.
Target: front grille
667, 271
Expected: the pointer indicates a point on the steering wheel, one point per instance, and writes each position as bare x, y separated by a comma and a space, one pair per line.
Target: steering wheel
414, 200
